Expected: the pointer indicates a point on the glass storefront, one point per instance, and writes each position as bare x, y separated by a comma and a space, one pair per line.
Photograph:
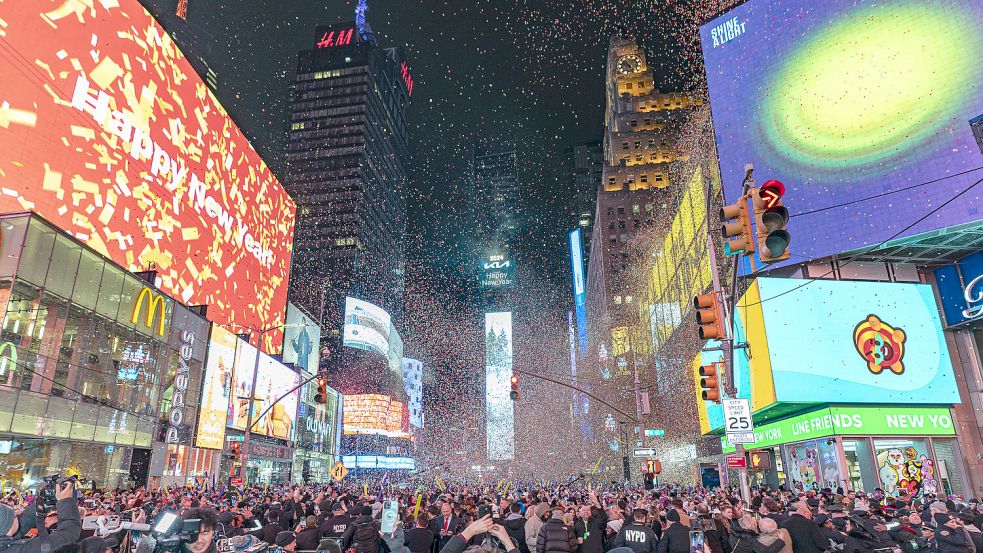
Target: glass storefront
85, 356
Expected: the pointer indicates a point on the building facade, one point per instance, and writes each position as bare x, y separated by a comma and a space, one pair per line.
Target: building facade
347, 156
585, 166
494, 182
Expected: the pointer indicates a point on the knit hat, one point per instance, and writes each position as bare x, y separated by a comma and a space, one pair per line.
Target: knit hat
285, 538
541, 509
6, 519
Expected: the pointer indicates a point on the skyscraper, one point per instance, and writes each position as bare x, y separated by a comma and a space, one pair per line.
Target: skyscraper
347, 156
495, 198
640, 142
585, 166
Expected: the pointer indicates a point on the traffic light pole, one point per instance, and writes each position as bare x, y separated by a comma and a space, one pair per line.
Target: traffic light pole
727, 341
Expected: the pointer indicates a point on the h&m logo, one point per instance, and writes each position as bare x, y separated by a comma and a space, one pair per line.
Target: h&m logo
156, 300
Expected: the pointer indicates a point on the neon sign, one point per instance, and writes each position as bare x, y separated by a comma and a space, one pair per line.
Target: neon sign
181, 381
407, 78
336, 38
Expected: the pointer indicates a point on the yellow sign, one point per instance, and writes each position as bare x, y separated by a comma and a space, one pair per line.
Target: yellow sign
338, 472
156, 300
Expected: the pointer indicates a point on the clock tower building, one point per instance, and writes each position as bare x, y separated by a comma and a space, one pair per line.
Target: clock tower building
641, 140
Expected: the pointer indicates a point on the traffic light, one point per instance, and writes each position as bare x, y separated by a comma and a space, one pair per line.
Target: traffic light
322, 390
771, 220
514, 394
709, 383
736, 229
653, 466
235, 451
709, 319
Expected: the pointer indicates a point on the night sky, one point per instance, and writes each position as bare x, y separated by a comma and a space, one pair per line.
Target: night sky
526, 72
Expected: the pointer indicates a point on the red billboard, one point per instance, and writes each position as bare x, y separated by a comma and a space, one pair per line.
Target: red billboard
107, 131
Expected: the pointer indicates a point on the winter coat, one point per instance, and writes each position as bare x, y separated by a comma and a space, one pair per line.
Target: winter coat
638, 537
782, 535
675, 539
556, 537
66, 533
516, 528
951, 540
748, 541
860, 542
532, 528
806, 536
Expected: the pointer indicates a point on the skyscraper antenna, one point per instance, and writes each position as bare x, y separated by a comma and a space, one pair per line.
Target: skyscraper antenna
364, 30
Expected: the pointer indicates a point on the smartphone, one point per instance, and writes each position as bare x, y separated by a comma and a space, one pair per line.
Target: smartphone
892, 525
390, 516
696, 541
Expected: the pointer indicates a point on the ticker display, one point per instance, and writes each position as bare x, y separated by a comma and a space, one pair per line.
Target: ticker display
107, 131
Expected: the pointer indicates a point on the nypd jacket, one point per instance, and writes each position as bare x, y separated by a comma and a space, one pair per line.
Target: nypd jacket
640, 538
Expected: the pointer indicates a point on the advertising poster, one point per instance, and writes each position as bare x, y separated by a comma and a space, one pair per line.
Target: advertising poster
367, 326
500, 425
217, 389
275, 381
301, 340
108, 132
861, 108
245, 363
413, 384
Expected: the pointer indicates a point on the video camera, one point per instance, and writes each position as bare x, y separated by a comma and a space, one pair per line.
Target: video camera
46, 495
170, 531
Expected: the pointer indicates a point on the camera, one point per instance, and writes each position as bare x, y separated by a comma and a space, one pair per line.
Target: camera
170, 531
46, 495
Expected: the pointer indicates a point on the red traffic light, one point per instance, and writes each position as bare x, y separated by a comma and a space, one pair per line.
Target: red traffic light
771, 193
514, 380
322, 382
514, 393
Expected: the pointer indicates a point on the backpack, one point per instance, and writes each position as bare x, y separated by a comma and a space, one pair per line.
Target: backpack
365, 540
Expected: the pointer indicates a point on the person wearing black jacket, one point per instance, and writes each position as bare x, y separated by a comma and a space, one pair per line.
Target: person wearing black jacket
348, 540
859, 539
806, 536
309, 537
67, 531
419, 539
515, 525
335, 526
556, 536
593, 520
675, 538
635, 535
269, 532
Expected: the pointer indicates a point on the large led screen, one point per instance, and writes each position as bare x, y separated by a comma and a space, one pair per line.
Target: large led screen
845, 341
375, 414
499, 408
216, 389
367, 326
275, 385
107, 131
301, 340
864, 105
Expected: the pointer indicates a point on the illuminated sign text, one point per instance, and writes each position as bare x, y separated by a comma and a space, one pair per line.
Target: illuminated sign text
336, 38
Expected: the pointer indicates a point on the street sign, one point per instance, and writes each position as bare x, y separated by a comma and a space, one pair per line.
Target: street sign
737, 416
651, 433
736, 461
644, 452
338, 472
741, 438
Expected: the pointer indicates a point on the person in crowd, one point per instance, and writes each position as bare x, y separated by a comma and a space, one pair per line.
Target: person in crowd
446, 525
420, 538
515, 525
556, 536
806, 536
635, 535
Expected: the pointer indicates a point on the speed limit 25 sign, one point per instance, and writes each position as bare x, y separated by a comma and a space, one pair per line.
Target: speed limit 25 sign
737, 416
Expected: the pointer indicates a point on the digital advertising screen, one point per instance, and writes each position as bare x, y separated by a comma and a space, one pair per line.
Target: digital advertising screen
301, 339
108, 132
861, 108
375, 414
496, 271
367, 326
413, 384
499, 408
579, 287
845, 341
379, 462
216, 389
273, 381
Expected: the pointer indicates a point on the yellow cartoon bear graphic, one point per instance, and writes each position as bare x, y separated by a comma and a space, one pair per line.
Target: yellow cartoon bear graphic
880, 344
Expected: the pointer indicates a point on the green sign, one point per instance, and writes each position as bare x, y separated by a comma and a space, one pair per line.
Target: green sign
887, 421
649, 433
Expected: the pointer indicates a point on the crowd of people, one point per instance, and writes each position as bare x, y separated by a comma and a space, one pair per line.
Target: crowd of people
389, 517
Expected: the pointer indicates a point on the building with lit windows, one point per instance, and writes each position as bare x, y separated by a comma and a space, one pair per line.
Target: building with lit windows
640, 142
347, 172
585, 169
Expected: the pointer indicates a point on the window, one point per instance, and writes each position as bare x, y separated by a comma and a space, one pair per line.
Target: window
613, 239
621, 224
627, 299
617, 300
624, 237
633, 123
624, 145
621, 210
651, 143
638, 144
645, 178
628, 85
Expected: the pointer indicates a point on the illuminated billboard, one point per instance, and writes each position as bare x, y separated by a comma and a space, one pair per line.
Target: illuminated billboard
960, 287
216, 389
378, 462
273, 382
375, 414
367, 326
301, 339
413, 384
499, 408
496, 271
860, 108
107, 131
579, 288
